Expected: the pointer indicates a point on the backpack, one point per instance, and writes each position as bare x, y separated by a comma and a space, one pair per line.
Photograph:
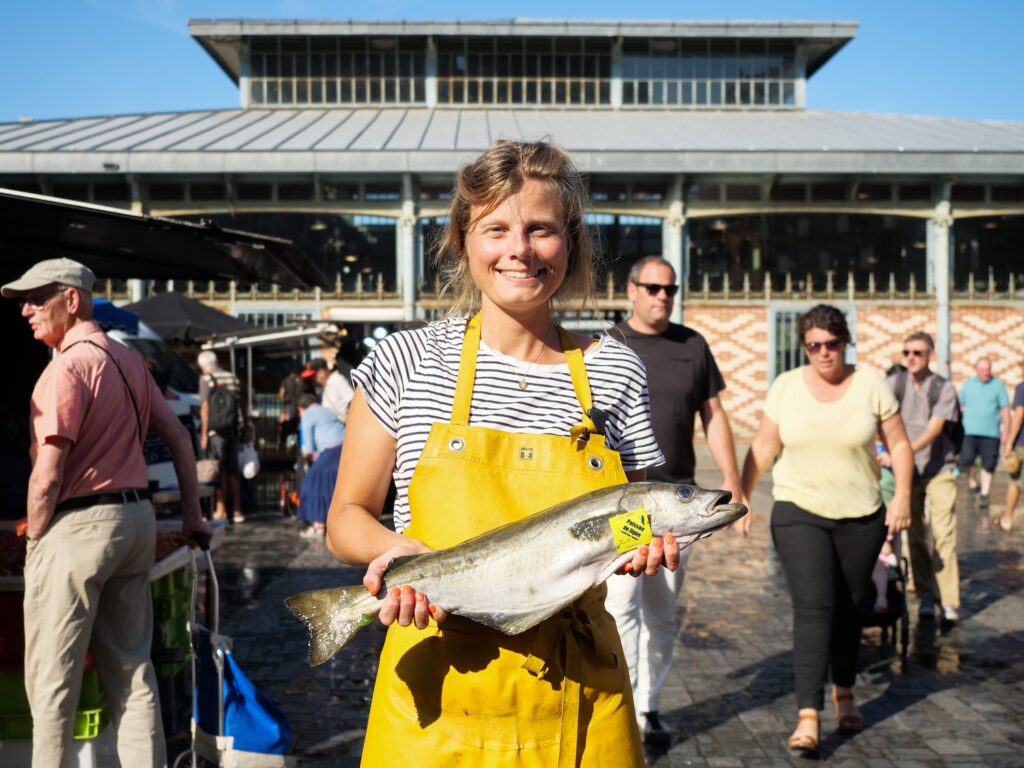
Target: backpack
952, 430
222, 402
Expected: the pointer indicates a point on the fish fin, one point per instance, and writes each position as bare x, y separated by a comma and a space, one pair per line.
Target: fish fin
334, 617
590, 529
514, 624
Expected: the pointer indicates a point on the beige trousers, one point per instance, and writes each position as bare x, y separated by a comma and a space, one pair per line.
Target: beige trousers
87, 588
936, 573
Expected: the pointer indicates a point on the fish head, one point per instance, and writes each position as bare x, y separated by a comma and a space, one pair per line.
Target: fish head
688, 512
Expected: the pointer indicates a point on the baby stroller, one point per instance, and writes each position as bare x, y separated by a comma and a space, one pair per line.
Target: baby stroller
896, 616
233, 724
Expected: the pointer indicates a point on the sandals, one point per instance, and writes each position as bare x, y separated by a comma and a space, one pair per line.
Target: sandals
847, 723
996, 521
806, 744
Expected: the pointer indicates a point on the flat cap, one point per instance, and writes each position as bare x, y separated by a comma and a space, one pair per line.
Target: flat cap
61, 271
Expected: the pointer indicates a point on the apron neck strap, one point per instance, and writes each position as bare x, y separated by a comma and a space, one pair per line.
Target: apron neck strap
467, 375
467, 372
580, 383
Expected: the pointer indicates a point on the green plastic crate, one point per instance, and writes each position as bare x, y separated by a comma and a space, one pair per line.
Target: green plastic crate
166, 586
168, 669
14, 701
89, 723
177, 604
171, 635
91, 715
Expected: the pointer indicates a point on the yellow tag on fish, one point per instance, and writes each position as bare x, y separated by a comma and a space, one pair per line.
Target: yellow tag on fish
631, 529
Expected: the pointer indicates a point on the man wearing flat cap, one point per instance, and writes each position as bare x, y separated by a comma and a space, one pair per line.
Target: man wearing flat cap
91, 527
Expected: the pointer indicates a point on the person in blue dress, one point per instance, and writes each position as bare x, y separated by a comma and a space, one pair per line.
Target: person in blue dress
322, 435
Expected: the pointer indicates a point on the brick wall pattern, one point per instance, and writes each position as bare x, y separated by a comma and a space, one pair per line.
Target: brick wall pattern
739, 339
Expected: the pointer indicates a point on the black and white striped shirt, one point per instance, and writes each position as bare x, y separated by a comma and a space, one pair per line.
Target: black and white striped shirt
409, 383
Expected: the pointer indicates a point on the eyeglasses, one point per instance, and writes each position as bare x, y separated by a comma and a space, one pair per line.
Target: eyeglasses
832, 345
914, 353
38, 300
653, 289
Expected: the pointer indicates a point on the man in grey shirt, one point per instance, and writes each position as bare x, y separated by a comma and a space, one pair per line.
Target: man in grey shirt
927, 402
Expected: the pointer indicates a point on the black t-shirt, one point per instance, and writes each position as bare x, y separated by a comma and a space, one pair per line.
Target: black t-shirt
681, 375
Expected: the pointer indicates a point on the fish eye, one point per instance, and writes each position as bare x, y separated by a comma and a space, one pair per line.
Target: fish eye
685, 491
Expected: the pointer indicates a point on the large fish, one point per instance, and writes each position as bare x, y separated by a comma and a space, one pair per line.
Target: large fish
514, 577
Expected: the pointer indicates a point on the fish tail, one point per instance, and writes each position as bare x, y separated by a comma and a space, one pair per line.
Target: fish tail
334, 616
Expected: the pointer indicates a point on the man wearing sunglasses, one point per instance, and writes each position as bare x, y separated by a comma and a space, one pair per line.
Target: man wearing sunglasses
928, 403
91, 527
683, 380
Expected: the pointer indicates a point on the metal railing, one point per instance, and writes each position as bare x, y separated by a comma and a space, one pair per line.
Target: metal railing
749, 287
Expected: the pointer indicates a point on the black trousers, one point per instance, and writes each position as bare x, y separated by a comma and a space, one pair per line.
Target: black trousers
828, 566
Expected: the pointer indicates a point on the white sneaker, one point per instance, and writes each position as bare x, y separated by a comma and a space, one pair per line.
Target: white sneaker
950, 614
927, 608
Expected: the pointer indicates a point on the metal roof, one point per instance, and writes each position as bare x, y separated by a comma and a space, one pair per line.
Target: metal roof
525, 26
373, 140
222, 38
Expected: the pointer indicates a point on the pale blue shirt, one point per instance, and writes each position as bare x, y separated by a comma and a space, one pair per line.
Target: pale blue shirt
982, 402
320, 429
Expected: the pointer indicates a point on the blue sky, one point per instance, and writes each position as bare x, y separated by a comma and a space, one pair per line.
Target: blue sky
70, 58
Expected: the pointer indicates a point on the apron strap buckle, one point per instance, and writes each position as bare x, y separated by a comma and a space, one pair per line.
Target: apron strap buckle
580, 435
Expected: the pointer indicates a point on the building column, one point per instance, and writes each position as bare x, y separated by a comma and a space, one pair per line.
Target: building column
939, 257
615, 92
800, 84
244, 91
430, 79
137, 289
406, 257
672, 241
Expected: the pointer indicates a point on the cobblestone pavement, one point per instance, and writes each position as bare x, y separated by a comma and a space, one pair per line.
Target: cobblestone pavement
959, 701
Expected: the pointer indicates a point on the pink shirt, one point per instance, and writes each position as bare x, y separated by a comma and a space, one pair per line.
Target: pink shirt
81, 397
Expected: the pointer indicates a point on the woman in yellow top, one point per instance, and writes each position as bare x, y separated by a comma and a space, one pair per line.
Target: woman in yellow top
480, 422
828, 520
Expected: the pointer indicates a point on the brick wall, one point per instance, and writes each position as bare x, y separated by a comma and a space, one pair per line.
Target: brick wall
738, 336
739, 339
993, 332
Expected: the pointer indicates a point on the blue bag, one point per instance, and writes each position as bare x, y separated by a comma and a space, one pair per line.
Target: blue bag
251, 718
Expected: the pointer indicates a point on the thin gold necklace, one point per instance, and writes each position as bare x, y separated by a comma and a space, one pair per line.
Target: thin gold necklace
520, 375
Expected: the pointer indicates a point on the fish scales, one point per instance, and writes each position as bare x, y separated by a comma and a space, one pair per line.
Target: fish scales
570, 548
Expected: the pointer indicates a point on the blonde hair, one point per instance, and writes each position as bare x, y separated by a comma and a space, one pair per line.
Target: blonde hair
487, 182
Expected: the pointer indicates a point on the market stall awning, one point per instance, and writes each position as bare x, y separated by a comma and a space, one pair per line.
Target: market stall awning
178, 318
282, 341
109, 315
116, 243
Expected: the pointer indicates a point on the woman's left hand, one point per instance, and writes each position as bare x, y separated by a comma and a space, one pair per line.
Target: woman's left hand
897, 515
648, 558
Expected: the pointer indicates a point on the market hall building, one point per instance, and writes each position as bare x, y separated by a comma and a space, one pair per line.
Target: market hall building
696, 140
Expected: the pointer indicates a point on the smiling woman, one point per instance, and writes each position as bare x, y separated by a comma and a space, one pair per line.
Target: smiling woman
492, 192
484, 420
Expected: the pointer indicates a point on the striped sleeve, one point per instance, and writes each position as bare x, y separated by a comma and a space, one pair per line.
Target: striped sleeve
619, 381
384, 373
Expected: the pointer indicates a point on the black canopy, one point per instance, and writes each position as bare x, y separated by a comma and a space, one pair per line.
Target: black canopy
178, 318
120, 244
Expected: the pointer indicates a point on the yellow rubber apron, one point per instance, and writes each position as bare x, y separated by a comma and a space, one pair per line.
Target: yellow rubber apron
463, 694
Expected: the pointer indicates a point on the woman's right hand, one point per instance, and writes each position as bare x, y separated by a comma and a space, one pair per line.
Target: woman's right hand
897, 514
401, 604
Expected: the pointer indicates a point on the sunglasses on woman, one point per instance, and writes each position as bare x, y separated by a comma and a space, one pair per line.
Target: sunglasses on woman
832, 345
653, 289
